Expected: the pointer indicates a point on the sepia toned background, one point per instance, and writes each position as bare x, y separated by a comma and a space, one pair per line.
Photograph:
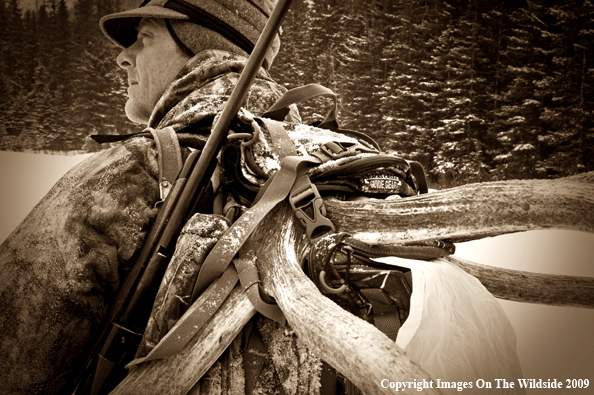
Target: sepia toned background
476, 91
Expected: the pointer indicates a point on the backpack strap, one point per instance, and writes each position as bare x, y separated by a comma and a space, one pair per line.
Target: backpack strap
282, 144
169, 157
292, 167
304, 197
417, 170
279, 110
243, 270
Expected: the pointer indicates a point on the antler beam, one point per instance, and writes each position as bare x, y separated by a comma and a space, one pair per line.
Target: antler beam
354, 347
471, 212
521, 286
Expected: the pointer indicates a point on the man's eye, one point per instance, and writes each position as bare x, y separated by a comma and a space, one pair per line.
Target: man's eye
143, 33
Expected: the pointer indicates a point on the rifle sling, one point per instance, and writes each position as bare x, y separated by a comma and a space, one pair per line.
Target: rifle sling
207, 305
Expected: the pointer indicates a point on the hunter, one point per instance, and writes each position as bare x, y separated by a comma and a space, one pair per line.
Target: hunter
63, 265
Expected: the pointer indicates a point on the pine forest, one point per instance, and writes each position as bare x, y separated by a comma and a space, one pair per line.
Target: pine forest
475, 90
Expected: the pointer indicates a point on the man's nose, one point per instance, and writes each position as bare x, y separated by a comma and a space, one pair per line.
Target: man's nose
126, 58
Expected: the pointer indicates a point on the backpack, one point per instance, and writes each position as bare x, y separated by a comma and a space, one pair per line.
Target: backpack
345, 164
267, 161
349, 164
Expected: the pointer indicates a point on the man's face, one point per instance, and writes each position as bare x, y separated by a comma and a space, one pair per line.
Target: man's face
151, 62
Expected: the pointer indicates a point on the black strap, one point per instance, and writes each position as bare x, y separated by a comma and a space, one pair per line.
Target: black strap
430, 249
327, 379
279, 110
360, 136
114, 138
419, 173
202, 127
177, 40
254, 357
385, 313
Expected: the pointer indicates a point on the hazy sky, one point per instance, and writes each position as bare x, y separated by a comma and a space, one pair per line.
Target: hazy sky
553, 342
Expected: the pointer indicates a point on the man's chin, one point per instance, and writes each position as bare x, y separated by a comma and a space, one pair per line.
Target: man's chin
136, 114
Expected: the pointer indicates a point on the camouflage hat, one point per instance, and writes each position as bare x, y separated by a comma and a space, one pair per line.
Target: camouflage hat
239, 21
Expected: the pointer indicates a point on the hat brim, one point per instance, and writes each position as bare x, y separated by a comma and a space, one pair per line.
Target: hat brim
120, 28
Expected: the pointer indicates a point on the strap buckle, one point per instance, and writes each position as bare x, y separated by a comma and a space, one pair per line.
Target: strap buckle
341, 149
308, 206
348, 250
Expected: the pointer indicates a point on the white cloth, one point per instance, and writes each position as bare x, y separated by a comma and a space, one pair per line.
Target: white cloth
456, 330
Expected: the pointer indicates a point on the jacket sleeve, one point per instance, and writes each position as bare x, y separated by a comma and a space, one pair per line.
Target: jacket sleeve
64, 262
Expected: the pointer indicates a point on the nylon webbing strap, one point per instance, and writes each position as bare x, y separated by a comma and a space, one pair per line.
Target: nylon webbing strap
170, 159
250, 282
279, 110
255, 356
193, 320
282, 145
114, 138
385, 313
199, 313
226, 248
422, 252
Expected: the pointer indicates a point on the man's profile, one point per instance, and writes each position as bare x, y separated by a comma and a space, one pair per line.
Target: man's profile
151, 62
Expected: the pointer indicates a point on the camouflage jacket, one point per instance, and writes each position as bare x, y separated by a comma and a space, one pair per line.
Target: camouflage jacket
65, 261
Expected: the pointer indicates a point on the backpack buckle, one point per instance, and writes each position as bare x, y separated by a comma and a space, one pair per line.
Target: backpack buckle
341, 149
308, 206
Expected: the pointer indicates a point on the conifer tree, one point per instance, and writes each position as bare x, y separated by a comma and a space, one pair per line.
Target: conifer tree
3, 49
516, 124
568, 146
13, 51
410, 86
474, 89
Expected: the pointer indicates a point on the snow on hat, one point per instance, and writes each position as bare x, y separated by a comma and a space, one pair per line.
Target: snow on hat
239, 21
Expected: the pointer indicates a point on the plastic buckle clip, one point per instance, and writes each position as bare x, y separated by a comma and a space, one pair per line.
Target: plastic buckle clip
348, 250
308, 206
